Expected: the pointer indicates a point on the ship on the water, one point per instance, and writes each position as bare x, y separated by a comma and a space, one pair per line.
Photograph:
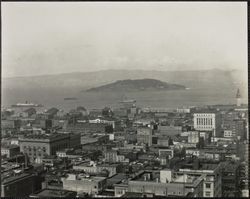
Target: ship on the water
26, 104
70, 98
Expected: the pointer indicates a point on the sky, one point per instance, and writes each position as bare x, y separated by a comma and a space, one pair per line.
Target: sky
60, 37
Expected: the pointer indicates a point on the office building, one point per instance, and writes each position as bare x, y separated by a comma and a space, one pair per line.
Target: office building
208, 121
39, 146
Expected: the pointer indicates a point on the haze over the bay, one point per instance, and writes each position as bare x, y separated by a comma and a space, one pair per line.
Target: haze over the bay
60, 37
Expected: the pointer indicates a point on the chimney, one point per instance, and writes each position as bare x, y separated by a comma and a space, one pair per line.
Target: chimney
149, 176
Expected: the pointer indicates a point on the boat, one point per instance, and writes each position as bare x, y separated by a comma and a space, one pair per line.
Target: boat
26, 104
70, 98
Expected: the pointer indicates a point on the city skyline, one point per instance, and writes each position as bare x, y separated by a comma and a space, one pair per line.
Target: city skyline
124, 99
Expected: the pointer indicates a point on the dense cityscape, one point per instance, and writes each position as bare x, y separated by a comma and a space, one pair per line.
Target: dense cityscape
124, 99
129, 151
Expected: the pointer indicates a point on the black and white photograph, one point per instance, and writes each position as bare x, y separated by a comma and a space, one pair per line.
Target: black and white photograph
124, 99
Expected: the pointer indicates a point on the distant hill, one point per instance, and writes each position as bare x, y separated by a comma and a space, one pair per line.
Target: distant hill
137, 85
200, 79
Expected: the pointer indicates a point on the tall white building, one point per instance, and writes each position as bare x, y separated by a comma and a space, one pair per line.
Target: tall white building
208, 121
238, 98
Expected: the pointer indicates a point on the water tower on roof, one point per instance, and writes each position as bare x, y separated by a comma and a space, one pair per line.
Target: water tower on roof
238, 98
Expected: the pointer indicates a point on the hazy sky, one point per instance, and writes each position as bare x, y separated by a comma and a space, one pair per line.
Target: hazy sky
60, 37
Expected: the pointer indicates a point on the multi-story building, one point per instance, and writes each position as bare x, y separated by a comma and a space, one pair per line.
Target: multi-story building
208, 121
28, 112
87, 138
211, 180
245, 168
229, 134
93, 168
103, 121
84, 184
110, 156
38, 146
230, 179
10, 150
85, 127
194, 137
144, 135
170, 130
21, 185
163, 183
10, 124
166, 153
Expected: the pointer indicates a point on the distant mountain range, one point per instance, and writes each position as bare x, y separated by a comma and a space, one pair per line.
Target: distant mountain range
209, 79
137, 85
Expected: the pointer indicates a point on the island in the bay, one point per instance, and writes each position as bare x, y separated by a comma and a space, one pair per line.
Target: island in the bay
137, 85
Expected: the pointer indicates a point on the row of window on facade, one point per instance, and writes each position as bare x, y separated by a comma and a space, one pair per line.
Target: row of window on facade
34, 148
204, 121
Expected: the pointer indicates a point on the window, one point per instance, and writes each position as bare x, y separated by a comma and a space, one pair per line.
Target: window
207, 193
208, 185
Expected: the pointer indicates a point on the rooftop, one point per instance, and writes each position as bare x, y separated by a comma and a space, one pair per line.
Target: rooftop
12, 178
54, 193
205, 111
12, 146
43, 136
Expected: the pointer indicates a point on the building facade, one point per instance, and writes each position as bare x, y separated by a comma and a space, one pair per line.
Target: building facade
144, 136
38, 146
208, 121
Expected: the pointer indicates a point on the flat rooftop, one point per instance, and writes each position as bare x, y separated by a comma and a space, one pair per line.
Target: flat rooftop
54, 193
12, 146
177, 177
12, 178
43, 136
